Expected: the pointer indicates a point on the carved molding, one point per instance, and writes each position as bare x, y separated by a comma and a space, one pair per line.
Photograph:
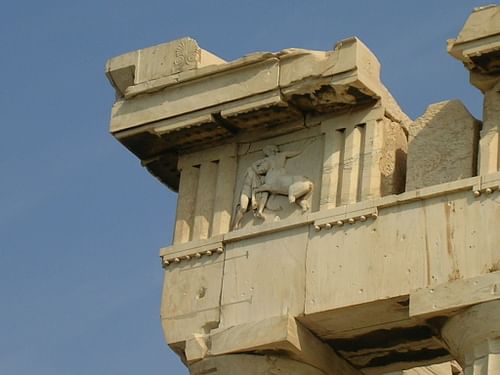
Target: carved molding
352, 217
192, 254
358, 213
187, 54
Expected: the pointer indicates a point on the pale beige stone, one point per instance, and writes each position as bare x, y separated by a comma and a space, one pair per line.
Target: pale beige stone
482, 22
397, 244
372, 261
484, 82
354, 139
300, 176
393, 159
416, 267
253, 287
473, 337
191, 297
331, 183
440, 369
373, 183
206, 188
454, 210
455, 295
205, 199
223, 205
245, 364
281, 333
197, 94
185, 204
442, 145
121, 71
268, 176
479, 36
196, 347
489, 145
330, 267
478, 47
158, 61
250, 93
191, 248
364, 157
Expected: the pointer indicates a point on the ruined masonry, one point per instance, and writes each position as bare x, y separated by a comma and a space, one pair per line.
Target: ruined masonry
319, 230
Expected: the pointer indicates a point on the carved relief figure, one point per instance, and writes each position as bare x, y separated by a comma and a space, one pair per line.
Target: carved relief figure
253, 178
277, 181
268, 176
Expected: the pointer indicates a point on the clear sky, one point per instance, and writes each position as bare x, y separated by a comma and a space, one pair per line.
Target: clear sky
81, 222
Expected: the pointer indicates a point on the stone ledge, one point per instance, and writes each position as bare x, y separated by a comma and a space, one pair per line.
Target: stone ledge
326, 219
281, 333
446, 298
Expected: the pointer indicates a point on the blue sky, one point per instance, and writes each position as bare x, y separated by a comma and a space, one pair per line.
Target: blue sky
81, 222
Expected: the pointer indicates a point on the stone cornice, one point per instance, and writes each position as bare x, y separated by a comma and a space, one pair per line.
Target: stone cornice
160, 114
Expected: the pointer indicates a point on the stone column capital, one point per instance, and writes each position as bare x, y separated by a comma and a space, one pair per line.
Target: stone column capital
474, 333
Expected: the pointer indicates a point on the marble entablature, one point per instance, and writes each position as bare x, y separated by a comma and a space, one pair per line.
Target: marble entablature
319, 230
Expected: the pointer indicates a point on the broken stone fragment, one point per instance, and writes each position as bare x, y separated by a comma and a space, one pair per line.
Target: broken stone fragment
442, 145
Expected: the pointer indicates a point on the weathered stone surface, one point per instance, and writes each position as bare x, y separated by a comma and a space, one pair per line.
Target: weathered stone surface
455, 295
245, 364
253, 287
208, 105
358, 277
393, 159
440, 369
284, 334
483, 21
473, 336
442, 145
364, 157
191, 296
155, 62
478, 44
489, 144
478, 47
329, 267
206, 188
301, 160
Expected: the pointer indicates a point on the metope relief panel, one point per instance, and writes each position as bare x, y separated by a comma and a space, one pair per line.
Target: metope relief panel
277, 179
